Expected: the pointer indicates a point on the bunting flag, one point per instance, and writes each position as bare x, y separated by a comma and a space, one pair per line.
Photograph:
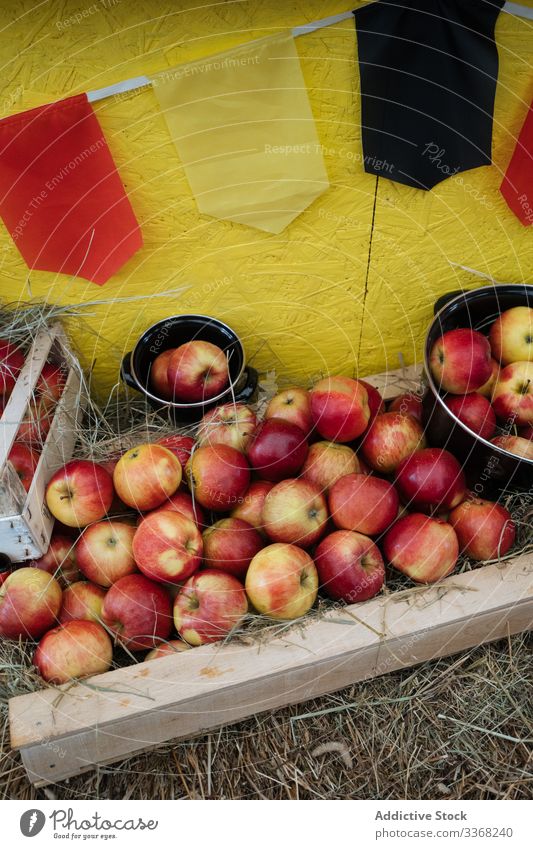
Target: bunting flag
517, 185
243, 127
428, 72
60, 195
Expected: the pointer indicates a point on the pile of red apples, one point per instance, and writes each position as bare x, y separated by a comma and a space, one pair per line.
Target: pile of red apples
177, 542
33, 430
488, 382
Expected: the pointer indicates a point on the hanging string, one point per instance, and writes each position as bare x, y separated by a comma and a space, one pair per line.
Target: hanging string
515, 9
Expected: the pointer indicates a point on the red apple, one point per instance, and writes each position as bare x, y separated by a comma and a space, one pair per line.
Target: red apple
390, 438
79, 493
50, 384
282, 581
278, 449
295, 512
159, 382
363, 503
219, 475
197, 371
423, 548
36, 423
60, 560
350, 567
11, 362
512, 397
209, 606
164, 649
24, 460
180, 445
376, 404
167, 546
487, 389
104, 551
146, 475
408, 403
30, 601
515, 445
229, 545
511, 335
76, 649
230, 424
460, 361
474, 411
82, 600
292, 405
485, 529
340, 408
431, 479
138, 612
327, 462
181, 502
250, 506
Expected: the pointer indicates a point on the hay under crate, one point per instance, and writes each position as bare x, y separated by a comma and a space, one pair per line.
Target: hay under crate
62, 732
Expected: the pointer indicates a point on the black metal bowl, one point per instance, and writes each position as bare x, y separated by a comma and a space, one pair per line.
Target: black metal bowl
487, 464
173, 332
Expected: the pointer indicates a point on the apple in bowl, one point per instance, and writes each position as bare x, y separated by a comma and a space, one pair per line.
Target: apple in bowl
475, 411
511, 335
197, 371
516, 445
460, 361
512, 397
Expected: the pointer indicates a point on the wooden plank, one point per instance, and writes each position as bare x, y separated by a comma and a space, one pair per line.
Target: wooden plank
126, 711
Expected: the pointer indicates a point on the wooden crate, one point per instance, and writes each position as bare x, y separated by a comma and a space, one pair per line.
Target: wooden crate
25, 522
64, 731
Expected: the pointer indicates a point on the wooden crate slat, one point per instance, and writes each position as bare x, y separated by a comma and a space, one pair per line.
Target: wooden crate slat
129, 710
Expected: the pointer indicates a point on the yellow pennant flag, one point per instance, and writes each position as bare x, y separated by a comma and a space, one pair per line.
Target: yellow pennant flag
244, 131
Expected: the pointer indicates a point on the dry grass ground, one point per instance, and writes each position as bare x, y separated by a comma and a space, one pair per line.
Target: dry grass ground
456, 728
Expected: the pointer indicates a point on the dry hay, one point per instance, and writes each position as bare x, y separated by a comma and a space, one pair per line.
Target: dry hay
455, 728
452, 728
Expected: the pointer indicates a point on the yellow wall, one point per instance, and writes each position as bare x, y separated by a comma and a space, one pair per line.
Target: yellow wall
350, 284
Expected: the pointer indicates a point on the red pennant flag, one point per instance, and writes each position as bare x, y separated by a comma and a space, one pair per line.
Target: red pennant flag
517, 185
61, 197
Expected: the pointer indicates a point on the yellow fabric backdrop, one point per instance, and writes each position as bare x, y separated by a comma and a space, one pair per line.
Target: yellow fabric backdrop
350, 284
